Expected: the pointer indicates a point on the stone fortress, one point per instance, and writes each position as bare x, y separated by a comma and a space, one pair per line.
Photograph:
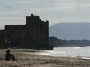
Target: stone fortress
33, 35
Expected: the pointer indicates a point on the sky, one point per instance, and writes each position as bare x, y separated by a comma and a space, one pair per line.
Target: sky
56, 11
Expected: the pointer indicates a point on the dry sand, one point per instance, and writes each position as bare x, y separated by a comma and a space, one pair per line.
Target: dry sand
29, 58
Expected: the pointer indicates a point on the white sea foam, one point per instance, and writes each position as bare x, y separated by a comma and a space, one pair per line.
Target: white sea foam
70, 51
81, 52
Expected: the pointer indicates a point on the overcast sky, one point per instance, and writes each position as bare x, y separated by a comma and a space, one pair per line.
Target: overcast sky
56, 11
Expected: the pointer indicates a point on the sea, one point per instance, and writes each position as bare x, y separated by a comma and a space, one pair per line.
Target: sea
83, 52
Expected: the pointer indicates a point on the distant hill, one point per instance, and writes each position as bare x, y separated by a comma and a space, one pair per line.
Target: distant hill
55, 42
71, 31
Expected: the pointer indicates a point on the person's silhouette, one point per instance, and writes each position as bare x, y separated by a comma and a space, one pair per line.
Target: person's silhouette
9, 56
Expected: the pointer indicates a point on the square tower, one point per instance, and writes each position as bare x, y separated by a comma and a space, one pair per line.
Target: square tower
37, 32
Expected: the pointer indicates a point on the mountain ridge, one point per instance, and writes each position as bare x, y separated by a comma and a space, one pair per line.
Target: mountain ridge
71, 31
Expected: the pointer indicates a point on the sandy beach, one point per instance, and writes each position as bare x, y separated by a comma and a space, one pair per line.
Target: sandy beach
31, 58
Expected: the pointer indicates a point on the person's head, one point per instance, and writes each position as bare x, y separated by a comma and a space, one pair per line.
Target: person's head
8, 51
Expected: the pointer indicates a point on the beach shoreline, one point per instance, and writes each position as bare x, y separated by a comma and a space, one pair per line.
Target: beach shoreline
31, 58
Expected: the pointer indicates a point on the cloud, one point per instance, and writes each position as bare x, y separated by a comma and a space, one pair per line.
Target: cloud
53, 10
84, 5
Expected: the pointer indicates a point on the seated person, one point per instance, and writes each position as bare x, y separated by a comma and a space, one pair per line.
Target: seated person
9, 56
